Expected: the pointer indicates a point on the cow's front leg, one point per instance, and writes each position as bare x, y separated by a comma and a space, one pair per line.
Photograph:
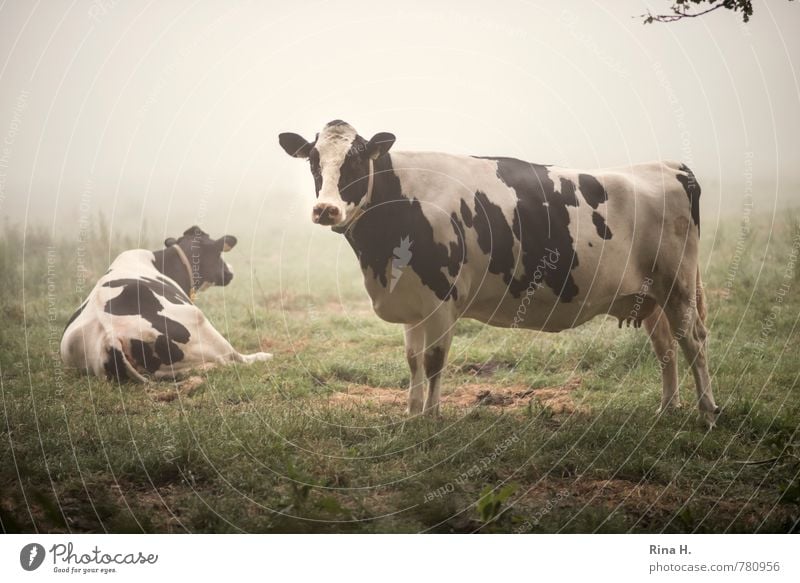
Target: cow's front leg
438, 337
415, 348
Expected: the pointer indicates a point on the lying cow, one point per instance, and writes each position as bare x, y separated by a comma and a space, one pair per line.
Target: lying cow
140, 320
514, 244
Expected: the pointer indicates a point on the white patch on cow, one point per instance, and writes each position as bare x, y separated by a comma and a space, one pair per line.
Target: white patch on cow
401, 256
333, 144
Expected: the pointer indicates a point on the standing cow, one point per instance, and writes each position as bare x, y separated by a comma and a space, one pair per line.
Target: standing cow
140, 320
514, 244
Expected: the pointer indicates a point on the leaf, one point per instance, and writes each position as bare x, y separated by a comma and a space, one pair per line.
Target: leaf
491, 502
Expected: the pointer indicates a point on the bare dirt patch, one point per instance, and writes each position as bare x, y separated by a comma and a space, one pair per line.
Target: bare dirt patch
362, 394
557, 399
185, 388
162, 502
483, 369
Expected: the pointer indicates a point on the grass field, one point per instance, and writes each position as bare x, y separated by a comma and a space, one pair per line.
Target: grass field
539, 432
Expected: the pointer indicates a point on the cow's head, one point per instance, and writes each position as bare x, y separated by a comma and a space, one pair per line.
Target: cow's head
341, 163
204, 256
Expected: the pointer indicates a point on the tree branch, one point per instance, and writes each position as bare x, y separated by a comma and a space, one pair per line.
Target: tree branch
679, 12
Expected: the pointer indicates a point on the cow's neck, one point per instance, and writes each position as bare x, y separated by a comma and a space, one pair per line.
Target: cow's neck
384, 223
169, 262
385, 190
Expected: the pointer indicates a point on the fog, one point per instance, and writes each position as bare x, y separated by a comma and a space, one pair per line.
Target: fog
167, 113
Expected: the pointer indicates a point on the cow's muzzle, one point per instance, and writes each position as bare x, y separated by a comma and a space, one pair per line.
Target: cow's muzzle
327, 214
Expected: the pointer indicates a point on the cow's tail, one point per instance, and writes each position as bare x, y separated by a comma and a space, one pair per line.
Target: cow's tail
692, 188
700, 298
118, 366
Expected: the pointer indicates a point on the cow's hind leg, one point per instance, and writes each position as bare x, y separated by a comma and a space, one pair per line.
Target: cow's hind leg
664, 346
251, 358
438, 337
415, 350
690, 331
209, 348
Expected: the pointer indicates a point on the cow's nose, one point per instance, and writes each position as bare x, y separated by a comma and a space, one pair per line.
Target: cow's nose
326, 214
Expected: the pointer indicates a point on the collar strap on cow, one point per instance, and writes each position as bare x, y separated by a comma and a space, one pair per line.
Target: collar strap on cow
188, 266
342, 228
370, 181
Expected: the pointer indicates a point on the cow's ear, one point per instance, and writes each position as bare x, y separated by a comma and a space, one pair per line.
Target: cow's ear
226, 243
294, 145
379, 144
170, 241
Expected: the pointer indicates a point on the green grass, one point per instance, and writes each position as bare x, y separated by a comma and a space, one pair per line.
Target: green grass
275, 448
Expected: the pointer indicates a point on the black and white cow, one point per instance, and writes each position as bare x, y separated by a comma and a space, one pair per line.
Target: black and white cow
140, 320
514, 244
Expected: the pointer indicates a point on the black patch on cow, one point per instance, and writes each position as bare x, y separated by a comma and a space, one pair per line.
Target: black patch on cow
354, 173
160, 286
316, 170
138, 298
114, 365
600, 224
494, 236
595, 194
692, 188
434, 362
466, 214
143, 355
167, 350
170, 291
458, 248
592, 191
541, 223
389, 218
169, 263
568, 192
76, 314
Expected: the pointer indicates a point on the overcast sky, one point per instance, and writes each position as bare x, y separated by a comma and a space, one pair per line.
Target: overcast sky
169, 110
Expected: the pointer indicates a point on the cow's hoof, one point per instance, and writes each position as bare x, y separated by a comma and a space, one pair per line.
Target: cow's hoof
256, 357
672, 406
710, 417
414, 408
433, 411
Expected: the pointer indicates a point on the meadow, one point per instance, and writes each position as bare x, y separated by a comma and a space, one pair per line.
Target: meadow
539, 432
